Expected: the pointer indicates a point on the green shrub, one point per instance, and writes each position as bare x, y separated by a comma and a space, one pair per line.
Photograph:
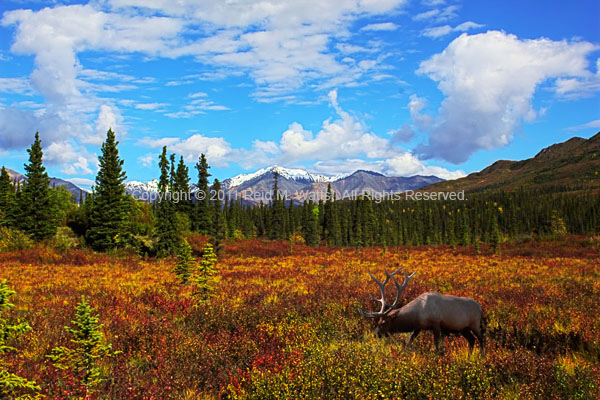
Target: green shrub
13, 239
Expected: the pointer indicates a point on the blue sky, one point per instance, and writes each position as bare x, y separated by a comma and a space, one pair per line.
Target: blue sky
402, 87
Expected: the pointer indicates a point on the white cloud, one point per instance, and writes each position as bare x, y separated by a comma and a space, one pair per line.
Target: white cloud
217, 150
73, 160
15, 85
489, 81
595, 124
82, 182
343, 138
109, 117
438, 14
384, 26
150, 106
148, 160
440, 31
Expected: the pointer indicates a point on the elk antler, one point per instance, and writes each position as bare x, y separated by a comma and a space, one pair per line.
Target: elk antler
386, 308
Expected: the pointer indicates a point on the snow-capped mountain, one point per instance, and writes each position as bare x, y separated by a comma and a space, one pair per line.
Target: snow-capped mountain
294, 174
146, 191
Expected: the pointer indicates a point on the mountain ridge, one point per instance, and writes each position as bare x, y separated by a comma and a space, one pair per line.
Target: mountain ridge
572, 163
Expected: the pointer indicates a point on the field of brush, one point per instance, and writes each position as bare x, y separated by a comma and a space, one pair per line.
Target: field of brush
283, 323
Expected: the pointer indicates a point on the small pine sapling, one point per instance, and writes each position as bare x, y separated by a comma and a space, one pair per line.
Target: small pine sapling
205, 278
185, 262
10, 384
90, 348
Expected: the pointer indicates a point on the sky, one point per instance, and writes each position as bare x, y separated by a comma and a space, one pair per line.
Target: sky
401, 87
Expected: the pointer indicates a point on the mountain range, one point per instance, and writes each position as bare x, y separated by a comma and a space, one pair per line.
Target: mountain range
70, 186
297, 185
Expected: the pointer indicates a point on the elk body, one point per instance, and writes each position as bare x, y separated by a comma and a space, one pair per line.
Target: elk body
441, 313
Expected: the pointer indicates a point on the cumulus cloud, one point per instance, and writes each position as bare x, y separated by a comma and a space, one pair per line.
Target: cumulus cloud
217, 150
342, 138
73, 160
489, 81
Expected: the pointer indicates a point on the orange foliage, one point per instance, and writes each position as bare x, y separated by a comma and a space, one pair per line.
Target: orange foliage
284, 324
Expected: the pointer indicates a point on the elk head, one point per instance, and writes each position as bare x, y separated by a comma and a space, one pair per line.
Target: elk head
382, 317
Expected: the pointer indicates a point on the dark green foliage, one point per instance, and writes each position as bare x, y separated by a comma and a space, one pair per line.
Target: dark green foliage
496, 236
202, 220
89, 348
278, 213
185, 262
7, 199
331, 224
182, 188
11, 385
310, 228
37, 213
109, 208
218, 218
167, 236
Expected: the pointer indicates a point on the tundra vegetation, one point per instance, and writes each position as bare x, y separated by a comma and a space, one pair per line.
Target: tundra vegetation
283, 322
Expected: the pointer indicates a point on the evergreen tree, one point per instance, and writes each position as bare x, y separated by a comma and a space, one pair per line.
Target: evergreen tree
464, 229
185, 261
277, 220
7, 199
332, 229
495, 234
37, 216
202, 221
310, 229
182, 186
219, 223
10, 384
205, 278
110, 206
90, 348
166, 227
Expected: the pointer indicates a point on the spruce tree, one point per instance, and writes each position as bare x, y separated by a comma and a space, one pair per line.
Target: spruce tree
7, 198
89, 347
166, 228
205, 278
109, 208
185, 261
182, 187
331, 221
37, 216
202, 221
218, 220
310, 230
277, 221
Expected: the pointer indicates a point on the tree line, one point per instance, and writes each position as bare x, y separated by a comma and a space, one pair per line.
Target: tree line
108, 218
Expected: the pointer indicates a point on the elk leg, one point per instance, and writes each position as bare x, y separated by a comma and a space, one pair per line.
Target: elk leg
470, 338
477, 333
437, 338
412, 337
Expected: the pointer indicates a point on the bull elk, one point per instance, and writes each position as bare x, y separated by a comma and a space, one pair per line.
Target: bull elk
440, 313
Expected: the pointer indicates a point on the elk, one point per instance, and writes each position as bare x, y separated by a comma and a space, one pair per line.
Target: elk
440, 313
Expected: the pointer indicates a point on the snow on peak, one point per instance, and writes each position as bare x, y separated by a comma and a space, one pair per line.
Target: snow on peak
295, 174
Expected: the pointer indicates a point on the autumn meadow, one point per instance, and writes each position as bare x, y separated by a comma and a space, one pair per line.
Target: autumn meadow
281, 322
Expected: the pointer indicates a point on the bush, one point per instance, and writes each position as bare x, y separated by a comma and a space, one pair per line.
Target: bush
13, 239
64, 240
